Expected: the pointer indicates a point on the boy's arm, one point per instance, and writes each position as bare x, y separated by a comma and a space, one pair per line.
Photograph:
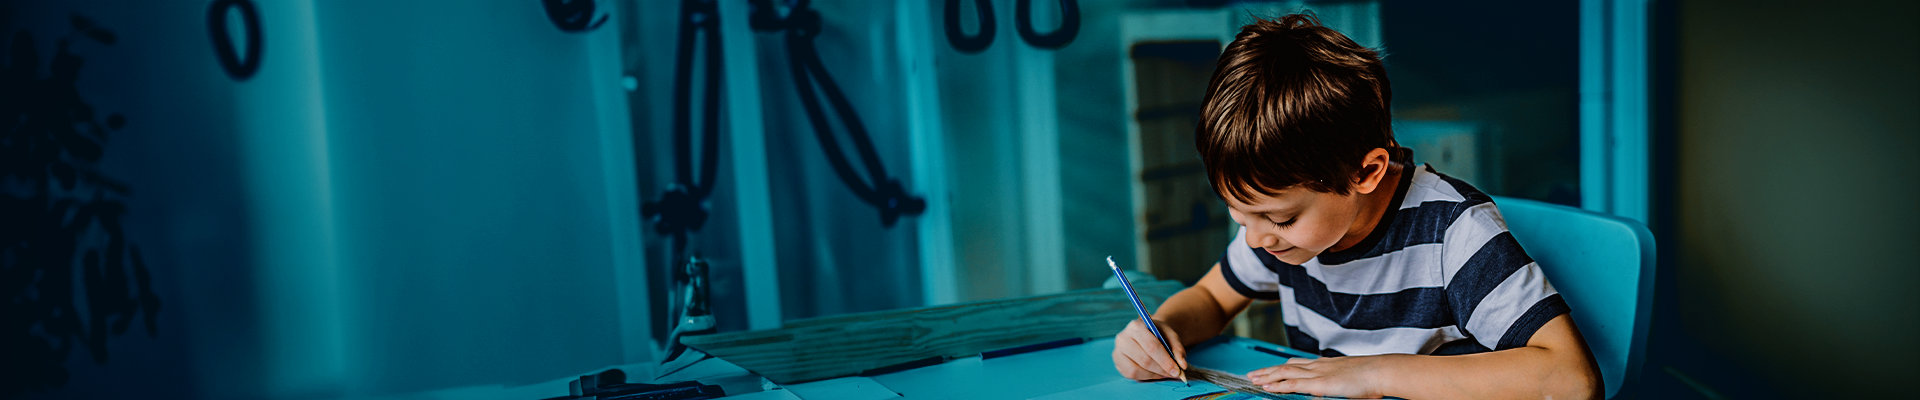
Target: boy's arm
1554, 364
1189, 317
1202, 311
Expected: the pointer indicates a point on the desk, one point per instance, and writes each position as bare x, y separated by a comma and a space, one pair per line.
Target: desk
812, 358
1056, 370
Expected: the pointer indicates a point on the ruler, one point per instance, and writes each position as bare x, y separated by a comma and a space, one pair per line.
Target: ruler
1234, 382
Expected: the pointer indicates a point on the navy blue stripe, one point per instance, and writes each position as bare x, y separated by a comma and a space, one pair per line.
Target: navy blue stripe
1423, 224
1273, 263
1466, 191
1421, 307
1300, 340
1495, 261
1233, 280
1420, 224
1381, 229
1536, 317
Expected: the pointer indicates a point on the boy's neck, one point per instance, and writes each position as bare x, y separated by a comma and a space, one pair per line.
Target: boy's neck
1374, 205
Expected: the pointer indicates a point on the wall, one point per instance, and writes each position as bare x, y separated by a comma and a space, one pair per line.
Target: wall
835, 256
469, 188
1505, 71
406, 196
1795, 153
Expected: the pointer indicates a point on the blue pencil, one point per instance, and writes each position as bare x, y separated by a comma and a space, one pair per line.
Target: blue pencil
1144, 318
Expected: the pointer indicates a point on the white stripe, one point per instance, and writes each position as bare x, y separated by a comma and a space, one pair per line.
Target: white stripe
1411, 267
1507, 303
1247, 267
1464, 238
1358, 342
1428, 186
1290, 311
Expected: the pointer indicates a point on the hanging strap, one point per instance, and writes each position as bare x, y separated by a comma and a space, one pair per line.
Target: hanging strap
983, 12
1069, 25
887, 194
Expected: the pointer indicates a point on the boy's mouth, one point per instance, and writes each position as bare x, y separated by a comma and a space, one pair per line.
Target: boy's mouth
1270, 251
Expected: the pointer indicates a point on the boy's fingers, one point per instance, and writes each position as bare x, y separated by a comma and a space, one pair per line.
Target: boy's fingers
1286, 372
1286, 386
1129, 368
1159, 355
1260, 376
1172, 348
1277, 373
1179, 352
1142, 359
1167, 365
1263, 371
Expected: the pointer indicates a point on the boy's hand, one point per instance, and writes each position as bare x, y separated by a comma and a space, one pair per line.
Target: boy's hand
1138, 355
1352, 377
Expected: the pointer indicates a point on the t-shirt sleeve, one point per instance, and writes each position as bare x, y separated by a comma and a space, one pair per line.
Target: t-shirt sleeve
1246, 272
1498, 294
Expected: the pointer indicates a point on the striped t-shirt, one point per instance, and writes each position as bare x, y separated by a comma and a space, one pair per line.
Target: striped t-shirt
1439, 275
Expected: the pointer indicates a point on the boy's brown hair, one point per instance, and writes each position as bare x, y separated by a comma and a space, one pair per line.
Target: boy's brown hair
1291, 103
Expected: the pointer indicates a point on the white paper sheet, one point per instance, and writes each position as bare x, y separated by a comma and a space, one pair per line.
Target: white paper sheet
1128, 389
848, 388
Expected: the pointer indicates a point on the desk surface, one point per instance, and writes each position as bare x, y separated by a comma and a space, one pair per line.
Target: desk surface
1055, 370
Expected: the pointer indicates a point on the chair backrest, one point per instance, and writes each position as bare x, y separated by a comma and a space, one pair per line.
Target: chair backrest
1603, 265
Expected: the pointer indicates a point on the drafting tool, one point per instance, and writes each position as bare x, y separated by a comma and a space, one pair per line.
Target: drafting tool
1232, 382
1144, 317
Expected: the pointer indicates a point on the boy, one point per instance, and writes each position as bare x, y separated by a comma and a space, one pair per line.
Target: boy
1405, 279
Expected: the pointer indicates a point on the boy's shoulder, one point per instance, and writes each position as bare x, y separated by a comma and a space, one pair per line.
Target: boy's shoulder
1430, 208
1427, 185
1463, 220
1432, 202
1444, 210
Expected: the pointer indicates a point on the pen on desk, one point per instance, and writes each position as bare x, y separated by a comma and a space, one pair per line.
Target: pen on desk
1144, 317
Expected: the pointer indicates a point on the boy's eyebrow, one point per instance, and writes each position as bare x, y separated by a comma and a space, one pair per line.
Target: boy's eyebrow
1270, 211
1278, 212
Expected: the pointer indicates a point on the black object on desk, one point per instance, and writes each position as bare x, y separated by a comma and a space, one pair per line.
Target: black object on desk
611, 385
1270, 351
904, 366
989, 354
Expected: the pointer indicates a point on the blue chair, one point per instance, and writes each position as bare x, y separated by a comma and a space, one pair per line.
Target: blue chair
1603, 266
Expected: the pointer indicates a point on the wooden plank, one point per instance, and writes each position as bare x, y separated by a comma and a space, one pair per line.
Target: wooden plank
829, 347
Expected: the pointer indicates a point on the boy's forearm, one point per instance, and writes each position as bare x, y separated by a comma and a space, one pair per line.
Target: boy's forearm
1201, 312
1555, 363
1521, 373
1193, 314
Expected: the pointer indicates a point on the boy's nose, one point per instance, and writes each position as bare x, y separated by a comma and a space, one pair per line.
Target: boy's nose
1262, 239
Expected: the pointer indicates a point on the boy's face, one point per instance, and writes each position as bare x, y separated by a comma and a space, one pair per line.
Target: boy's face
1296, 224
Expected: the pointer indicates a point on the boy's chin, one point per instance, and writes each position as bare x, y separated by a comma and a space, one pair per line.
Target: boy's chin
1296, 256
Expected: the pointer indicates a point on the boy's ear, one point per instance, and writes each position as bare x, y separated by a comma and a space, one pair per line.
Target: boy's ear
1373, 169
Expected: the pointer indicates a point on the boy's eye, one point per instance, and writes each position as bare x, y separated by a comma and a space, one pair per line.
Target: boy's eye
1284, 224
